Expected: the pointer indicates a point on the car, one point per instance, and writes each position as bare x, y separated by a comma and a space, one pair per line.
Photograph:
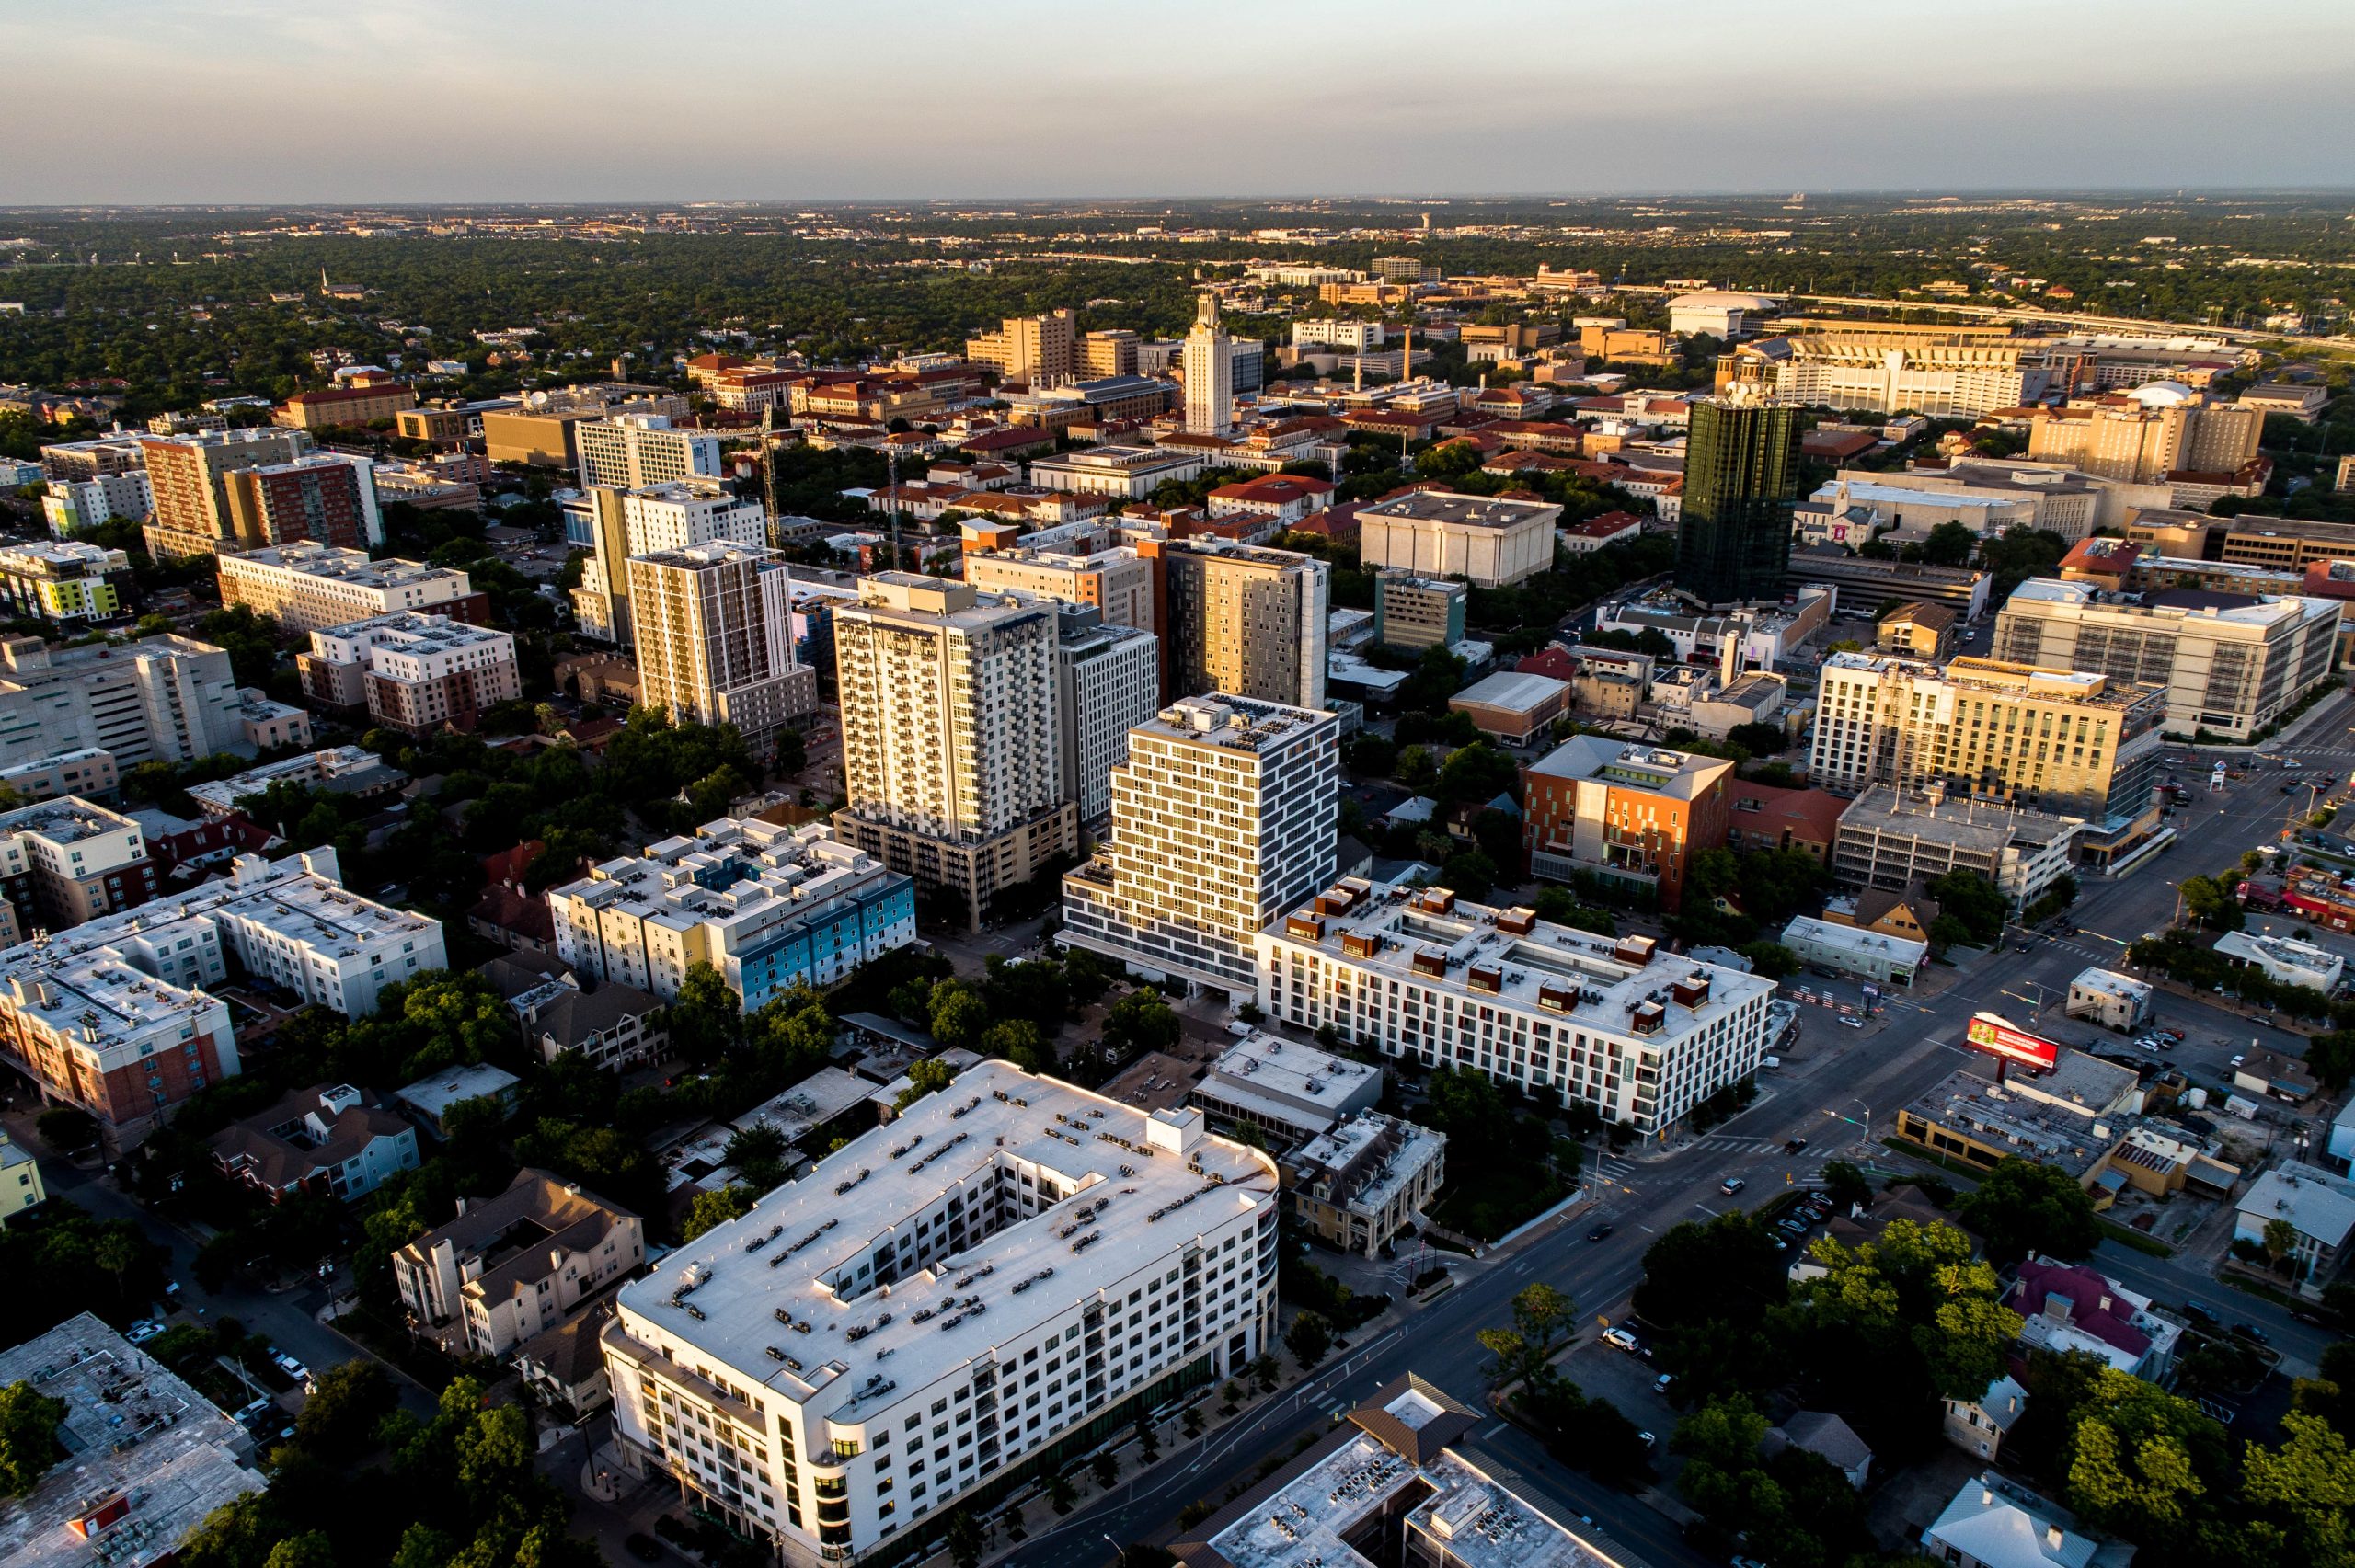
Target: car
2292, 763
1794, 1145
2251, 1331
2240, 1058
288, 1365
1792, 1225
245, 1412
2022, 947
1731, 1186
1621, 1339
1748, 1563
1665, 1381
2308, 1315
2174, 1035
1600, 1231
1850, 1021
644, 1548
2198, 1314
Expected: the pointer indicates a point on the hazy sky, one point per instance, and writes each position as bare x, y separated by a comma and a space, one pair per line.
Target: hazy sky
590, 100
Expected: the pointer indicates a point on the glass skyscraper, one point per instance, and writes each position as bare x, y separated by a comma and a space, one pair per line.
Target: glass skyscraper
1740, 481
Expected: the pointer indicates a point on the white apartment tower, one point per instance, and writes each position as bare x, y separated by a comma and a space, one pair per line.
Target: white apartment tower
1108, 681
673, 515
714, 640
1208, 359
630, 452
952, 734
1221, 818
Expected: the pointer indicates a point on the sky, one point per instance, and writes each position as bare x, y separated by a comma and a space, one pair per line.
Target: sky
138, 102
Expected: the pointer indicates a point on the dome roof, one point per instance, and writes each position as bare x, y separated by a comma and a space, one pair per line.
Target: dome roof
2162, 393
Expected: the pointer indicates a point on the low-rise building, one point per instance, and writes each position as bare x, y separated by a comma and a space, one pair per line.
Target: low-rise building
1279, 499
1887, 841
1918, 629
431, 1099
1516, 707
611, 1026
1865, 581
337, 770
1995, 1523
1612, 1024
1288, 1092
1365, 1179
513, 1267
1627, 811
2071, 1309
330, 1139
2073, 1119
2280, 959
1853, 950
21, 1186
2317, 1207
1979, 1425
1121, 472
143, 1458
2111, 999
1412, 612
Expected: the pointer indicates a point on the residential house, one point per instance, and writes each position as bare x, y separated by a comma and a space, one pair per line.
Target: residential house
1827, 1437
1995, 1523
1978, 1425
330, 1138
512, 1267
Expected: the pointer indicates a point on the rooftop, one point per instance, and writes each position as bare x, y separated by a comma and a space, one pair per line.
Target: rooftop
744, 873
809, 1105
1989, 830
328, 561
1432, 939
2035, 1129
2000, 1524
1292, 1079
2253, 611
432, 1097
1633, 764
1450, 507
1237, 723
1856, 940
1511, 689
148, 1457
67, 819
1131, 1191
2111, 984
2320, 1205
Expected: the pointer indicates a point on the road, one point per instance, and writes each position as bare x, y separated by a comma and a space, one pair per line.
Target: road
1828, 1086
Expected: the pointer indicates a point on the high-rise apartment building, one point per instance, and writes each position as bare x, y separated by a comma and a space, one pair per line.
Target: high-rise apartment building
1009, 1229
1626, 811
629, 452
769, 907
1242, 620
952, 735
167, 699
1207, 364
2143, 436
1115, 582
1221, 818
188, 479
1610, 1024
411, 672
714, 627
327, 498
1740, 486
1113, 352
2230, 663
1107, 681
675, 515
307, 587
2063, 741
1036, 351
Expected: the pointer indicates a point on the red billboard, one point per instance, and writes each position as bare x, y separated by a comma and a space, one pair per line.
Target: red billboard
1990, 1034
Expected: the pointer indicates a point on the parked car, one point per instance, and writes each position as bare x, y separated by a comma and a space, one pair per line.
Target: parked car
2251, 1331
1794, 1225
1662, 1384
2198, 1314
288, 1365
1646, 1439
142, 1331
1850, 1021
1620, 1339
1731, 1186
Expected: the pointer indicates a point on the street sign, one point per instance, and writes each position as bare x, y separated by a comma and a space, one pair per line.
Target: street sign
1994, 1035
1871, 990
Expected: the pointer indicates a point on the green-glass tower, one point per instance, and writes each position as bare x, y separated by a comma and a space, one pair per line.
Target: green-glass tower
1740, 479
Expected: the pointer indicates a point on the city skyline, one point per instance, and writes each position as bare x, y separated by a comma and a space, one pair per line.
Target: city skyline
1251, 106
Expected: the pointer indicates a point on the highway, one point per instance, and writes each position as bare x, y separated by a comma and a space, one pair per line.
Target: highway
1827, 1087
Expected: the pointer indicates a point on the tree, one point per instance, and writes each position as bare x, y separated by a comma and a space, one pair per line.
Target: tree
2021, 1207
1977, 904
1949, 545
958, 1014
1019, 1041
29, 1446
66, 1127
712, 1210
1308, 1339
1542, 1316
1139, 1021
1846, 1185
2280, 1241
1469, 874
2212, 902
1060, 1492
1106, 1469
926, 1077
339, 1420
310, 1550
1266, 1372
706, 1018
964, 1540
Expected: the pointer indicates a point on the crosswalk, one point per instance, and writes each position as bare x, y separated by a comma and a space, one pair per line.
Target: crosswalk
1734, 1144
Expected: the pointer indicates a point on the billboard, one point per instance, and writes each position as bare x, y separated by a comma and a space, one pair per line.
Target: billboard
1990, 1034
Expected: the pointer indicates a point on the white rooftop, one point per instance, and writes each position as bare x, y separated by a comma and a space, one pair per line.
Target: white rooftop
2320, 1205
1856, 939
1131, 1200
2110, 983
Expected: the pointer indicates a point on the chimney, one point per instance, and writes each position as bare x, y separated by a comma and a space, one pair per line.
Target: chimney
2052, 1537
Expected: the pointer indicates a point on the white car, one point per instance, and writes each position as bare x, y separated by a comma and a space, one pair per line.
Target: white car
1850, 1021
1622, 1340
291, 1368
142, 1331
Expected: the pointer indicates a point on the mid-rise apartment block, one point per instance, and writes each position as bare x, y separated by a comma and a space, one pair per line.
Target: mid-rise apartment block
1222, 816
675, 515
306, 587
2065, 741
356, 405
97, 457
114, 1016
2230, 663
167, 699
714, 629
62, 581
328, 497
2142, 436
769, 907
1036, 351
1116, 581
77, 506
66, 862
952, 734
1626, 811
513, 1267
1107, 681
1631, 1033
1056, 1262
630, 452
410, 672
1243, 619
187, 477
1486, 539
1889, 840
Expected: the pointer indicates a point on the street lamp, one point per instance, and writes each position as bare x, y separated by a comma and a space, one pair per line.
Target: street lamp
1119, 1547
